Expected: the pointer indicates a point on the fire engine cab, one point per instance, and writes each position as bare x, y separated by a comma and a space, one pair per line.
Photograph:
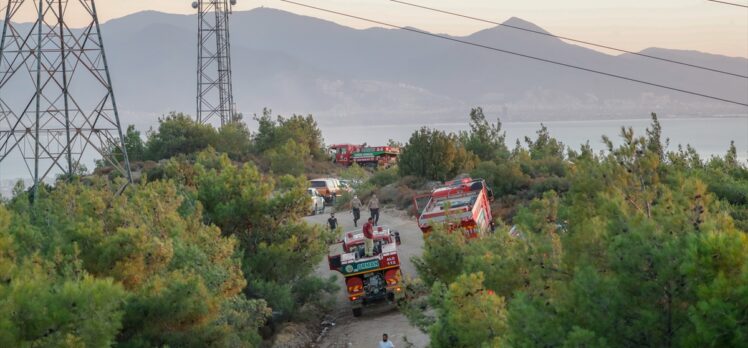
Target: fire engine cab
462, 205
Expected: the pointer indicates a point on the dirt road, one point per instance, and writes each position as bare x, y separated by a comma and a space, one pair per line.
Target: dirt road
366, 330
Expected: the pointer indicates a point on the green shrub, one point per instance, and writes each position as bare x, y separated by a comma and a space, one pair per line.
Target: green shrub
435, 155
556, 184
234, 140
179, 134
384, 177
131, 270
505, 178
272, 133
289, 158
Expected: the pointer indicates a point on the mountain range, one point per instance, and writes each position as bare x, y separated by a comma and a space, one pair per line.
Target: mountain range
299, 64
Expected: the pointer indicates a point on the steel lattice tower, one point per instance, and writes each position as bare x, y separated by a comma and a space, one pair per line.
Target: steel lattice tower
215, 97
56, 98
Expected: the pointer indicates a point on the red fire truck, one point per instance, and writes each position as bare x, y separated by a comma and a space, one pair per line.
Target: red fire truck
365, 156
369, 279
459, 205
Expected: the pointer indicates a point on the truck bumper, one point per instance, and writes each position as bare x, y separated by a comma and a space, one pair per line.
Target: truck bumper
393, 294
396, 293
358, 302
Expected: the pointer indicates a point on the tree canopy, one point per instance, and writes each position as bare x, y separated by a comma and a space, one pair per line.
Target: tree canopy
435, 155
643, 247
485, 140
199, 257
179, 134
276, 133
86, 267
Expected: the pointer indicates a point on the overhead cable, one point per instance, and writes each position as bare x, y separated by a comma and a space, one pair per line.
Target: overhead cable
539, 32
728, 3
443, 37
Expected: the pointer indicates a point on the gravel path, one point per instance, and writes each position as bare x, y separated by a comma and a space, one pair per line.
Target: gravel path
366, 331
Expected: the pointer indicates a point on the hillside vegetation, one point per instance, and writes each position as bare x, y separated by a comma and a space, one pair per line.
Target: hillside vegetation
633, 246
203, 252
637, 245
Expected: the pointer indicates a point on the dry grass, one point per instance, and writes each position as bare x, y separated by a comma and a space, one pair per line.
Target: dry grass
322, 169
397, 194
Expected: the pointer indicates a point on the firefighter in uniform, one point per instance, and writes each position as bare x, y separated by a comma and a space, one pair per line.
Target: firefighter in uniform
369, 238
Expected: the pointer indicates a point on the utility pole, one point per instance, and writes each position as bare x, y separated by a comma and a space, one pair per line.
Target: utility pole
215, 98
56, 99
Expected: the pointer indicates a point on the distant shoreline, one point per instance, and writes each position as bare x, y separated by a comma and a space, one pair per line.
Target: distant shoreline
708, 135
532, 122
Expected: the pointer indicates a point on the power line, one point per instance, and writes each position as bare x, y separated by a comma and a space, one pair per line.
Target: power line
728, 3
572, 39
517, 54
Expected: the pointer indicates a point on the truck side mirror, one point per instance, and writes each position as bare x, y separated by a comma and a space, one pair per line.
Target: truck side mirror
397, 238
490, 195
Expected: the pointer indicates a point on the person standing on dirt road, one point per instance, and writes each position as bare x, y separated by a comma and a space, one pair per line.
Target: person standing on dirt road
368, 238
374, 209
385, 342
356, 209
332, 222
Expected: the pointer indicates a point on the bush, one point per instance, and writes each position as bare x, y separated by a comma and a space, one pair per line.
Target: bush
730, 191
355, 174
556, 184
179, 134
397, 194
134, 145
136, 269
272, 134
234, 140
435, 155
384, 177
505, 178
485, 140
289, 158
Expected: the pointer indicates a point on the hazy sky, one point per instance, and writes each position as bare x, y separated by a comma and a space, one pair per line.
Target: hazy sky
629, 24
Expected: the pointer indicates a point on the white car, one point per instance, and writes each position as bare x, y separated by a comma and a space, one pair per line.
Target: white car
347, 185
317, 201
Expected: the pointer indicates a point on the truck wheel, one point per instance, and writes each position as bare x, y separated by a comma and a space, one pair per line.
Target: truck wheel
357, 312
315, 210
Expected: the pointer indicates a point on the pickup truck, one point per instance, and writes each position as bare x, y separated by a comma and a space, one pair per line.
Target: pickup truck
327, 188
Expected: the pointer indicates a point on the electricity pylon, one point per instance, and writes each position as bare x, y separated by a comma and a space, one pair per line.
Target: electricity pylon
215, 97
56, 100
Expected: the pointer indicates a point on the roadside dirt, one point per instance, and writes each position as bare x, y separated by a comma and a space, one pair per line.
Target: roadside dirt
367, 330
